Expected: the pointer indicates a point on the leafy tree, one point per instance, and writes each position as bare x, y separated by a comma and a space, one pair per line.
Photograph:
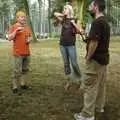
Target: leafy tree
4, 16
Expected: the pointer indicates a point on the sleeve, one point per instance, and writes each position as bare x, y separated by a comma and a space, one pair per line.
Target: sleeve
95, 31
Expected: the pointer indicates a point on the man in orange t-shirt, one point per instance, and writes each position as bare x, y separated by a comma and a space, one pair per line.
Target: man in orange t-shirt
20, 34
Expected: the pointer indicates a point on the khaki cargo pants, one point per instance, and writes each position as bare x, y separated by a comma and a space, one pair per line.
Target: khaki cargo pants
20, 70
93, 85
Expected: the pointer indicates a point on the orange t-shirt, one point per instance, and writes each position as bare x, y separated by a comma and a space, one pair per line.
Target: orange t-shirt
19, 44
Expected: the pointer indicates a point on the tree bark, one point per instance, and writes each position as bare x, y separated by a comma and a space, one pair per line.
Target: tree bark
49, 21
29, 19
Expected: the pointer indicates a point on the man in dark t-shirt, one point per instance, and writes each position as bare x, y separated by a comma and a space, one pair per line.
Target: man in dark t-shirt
67, 42
97, 59
100, 31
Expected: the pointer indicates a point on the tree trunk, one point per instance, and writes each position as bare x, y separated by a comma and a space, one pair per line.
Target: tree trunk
81, 4
29, 20
49, 21
44, 23
39, 23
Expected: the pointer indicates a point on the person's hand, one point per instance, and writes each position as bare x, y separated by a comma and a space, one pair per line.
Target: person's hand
27, 39
73, 22
55, 13
20, 29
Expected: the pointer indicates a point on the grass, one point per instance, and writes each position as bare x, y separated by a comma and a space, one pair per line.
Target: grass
48, 100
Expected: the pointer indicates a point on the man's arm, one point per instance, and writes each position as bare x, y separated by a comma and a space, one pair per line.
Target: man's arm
91, 49
93, 39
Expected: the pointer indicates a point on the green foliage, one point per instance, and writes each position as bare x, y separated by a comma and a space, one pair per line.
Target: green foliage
117, 2
4, 7
113, 11
19, 4
57, 6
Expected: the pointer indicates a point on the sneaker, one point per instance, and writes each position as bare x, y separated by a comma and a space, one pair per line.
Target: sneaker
25, 87
102, 110
15, 90
77, 116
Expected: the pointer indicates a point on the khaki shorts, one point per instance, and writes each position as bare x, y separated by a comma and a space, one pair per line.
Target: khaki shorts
20, 66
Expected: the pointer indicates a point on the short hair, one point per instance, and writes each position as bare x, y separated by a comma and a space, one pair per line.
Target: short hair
20, 13
101, 4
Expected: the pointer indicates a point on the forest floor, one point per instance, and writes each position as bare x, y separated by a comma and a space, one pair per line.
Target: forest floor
48, 100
